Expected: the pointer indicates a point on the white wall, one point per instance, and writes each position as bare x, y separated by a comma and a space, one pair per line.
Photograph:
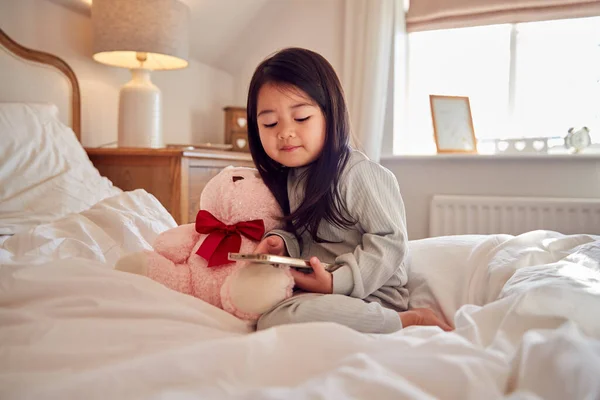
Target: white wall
193, 98
313, 24
422, 177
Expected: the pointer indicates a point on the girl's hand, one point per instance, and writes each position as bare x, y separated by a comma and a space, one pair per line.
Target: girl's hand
318, 281
271, 245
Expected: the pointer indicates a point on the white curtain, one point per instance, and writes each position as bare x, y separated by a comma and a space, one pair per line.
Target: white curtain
369, 27
399, 95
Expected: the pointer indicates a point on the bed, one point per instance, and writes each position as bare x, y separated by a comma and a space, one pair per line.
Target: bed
526, 308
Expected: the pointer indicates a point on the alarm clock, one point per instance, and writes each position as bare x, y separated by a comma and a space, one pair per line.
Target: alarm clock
577, 140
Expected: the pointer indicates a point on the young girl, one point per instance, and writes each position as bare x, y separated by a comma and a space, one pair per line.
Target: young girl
340, 207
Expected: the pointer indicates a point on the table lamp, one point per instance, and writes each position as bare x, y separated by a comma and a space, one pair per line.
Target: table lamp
142, 35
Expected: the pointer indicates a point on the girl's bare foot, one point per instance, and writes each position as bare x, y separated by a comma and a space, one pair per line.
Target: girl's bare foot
422, 316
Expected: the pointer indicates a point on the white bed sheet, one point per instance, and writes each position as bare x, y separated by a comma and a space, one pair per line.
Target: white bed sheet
71, 327
120, 224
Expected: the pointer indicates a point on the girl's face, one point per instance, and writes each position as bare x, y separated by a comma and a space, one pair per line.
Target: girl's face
290, 124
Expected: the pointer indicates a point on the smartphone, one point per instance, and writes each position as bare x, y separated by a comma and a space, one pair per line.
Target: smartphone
296, 263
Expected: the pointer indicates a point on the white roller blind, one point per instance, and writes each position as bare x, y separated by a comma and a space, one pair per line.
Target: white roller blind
444, 14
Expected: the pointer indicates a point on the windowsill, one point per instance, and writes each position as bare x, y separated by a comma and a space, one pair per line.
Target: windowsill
460, 156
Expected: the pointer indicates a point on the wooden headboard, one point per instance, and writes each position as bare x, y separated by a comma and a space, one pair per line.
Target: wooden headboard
53, 61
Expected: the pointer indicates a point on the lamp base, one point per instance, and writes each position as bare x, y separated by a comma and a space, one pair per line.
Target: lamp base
140, 112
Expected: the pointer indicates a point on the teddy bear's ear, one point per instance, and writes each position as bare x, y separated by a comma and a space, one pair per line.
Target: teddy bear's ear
231, 168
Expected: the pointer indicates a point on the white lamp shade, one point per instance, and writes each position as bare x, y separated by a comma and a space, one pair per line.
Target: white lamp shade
123, 28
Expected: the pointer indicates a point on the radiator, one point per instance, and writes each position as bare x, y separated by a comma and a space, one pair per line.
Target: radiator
458, 215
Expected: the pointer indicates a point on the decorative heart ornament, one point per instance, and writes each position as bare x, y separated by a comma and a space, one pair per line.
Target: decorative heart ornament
241, 122
520, 145
241, 143
539, 145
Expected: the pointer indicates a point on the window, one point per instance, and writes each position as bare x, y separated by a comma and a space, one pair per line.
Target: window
523, 80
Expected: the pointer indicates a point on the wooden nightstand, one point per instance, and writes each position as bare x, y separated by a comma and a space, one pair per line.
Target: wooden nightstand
176, 177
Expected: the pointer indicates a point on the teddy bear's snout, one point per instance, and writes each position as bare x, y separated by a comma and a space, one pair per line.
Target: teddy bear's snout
237, 178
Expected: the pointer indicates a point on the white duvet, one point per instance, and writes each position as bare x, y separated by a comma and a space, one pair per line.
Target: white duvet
526, 311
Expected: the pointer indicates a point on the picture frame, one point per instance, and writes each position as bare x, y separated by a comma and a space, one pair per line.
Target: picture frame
452, 124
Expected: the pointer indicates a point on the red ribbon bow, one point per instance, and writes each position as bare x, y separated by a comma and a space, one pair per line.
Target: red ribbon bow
223, 239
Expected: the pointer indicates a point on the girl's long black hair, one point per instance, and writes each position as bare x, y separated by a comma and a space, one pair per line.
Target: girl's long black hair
311, 73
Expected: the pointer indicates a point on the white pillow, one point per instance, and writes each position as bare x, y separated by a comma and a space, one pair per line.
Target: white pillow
45, 174
28, 154
441, 270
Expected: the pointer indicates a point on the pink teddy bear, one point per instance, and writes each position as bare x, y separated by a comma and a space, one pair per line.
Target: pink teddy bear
236, 209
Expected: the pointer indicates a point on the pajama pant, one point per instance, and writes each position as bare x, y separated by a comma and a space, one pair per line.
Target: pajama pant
345, 310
